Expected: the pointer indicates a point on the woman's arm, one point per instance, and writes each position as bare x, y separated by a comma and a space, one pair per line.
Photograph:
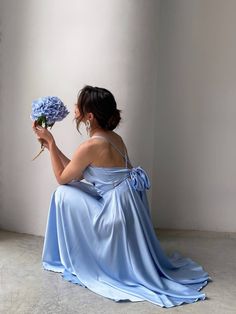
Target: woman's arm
63, 158
74, 170
65, 161
56, 161
65, 170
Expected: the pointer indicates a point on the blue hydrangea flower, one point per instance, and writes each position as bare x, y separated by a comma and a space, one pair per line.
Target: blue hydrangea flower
48, 109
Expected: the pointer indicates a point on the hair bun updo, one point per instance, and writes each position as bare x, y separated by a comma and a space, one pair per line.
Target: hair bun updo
114, 120
101, 103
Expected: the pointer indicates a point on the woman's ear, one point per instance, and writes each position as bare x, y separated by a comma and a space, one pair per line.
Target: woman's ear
90, 116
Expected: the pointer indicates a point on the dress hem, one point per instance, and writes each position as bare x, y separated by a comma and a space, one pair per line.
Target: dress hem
76, 280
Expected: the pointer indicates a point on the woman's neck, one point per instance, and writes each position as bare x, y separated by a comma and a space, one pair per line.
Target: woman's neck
99, 131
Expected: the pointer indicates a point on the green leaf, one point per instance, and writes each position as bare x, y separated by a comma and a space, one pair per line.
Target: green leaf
42, 120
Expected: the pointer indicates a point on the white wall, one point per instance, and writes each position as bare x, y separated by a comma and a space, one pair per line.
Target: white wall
55, 48
178, 102
195, 147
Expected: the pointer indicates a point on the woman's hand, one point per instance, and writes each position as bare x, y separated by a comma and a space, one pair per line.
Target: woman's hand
44, 136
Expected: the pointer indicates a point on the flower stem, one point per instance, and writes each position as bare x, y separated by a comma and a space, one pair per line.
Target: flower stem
42, 149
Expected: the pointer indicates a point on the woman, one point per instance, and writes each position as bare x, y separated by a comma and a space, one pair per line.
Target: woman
99, 233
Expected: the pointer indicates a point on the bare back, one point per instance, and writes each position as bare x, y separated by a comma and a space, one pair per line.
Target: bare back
110, 151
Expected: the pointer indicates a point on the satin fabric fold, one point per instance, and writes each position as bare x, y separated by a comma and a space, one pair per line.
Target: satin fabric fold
99, 235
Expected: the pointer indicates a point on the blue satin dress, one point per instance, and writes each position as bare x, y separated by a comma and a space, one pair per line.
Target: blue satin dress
99, 235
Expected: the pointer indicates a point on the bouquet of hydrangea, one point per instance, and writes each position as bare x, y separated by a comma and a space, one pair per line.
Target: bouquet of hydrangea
46, 111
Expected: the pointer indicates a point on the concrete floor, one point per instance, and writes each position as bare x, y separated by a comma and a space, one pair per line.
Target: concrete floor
25, 288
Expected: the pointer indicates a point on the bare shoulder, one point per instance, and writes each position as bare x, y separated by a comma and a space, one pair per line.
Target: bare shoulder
117, 140
92, 144
121, 141
89, 147
85, 151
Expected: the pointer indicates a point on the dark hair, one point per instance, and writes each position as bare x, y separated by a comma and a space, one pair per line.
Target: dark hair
101, 103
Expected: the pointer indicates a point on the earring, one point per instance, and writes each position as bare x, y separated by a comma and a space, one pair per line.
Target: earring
88, 126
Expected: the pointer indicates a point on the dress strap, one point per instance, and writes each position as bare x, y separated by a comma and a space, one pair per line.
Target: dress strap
124, 155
